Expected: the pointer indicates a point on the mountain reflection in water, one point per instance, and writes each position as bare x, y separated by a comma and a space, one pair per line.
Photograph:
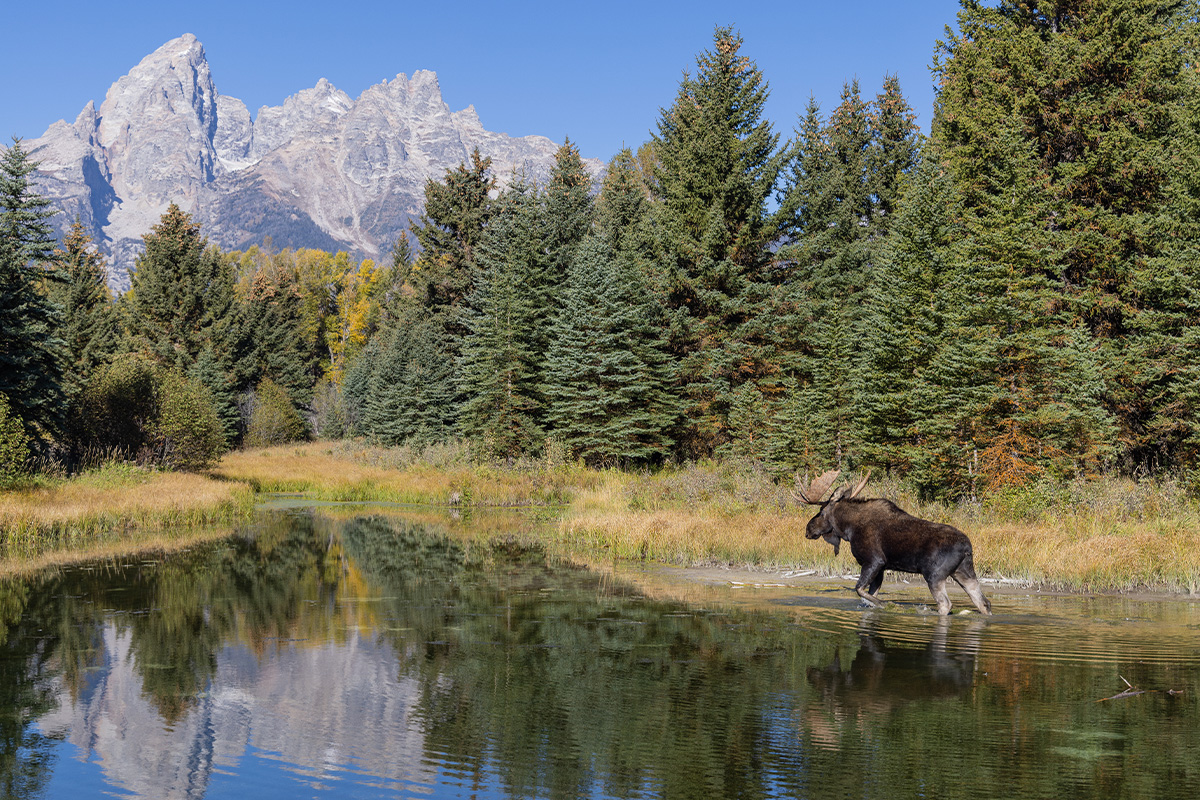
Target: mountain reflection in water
376, 656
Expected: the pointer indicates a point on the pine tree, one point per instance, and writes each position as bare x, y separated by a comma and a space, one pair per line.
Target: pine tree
31, 352
457, 210
716, 164
499, 371
411, 390
830, 198
892, 153
275, 321
184, 313
90, 322
623, 208
907, 320
1098, 96
568, 208
1013, 391
607, 374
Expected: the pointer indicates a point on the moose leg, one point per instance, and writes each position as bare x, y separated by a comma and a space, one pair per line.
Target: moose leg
965, 577
869, 582
937, 587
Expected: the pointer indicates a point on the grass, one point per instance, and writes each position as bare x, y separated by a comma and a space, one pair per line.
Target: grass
440, 475
117, 497
1109, 535
1103, 535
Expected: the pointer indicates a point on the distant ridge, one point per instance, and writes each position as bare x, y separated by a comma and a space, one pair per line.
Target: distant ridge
322, 170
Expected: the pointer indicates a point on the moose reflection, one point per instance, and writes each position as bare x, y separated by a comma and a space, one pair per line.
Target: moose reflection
882, 677
882, 537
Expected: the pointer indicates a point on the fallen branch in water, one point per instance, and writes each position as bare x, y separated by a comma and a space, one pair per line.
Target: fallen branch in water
1133, 691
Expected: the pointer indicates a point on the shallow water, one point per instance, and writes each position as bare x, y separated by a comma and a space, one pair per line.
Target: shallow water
323, 654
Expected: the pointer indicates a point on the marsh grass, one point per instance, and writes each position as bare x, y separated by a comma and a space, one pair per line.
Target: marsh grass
1106, 534
439, 475
1103, 535
32, 556
116, 498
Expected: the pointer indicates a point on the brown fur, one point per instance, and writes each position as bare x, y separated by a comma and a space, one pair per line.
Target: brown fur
882, 536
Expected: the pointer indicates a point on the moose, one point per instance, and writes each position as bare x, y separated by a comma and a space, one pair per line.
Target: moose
882, 537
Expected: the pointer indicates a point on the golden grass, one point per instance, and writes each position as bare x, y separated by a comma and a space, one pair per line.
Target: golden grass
1111, 535
33, 557
1108, 535
119, 497
346, 471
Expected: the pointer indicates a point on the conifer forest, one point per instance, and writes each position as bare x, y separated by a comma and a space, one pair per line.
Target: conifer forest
1013, 297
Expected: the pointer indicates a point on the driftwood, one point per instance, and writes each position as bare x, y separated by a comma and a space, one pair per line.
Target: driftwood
1133, 691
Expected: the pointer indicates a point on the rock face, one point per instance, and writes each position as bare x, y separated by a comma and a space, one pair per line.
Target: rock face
322, 170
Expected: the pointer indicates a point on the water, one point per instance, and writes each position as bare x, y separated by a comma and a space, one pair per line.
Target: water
323, 654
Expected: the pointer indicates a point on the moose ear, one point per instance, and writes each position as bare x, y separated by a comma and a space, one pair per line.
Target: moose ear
858, 487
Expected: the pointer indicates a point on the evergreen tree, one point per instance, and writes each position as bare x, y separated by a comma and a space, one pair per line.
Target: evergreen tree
89, 318
457, 209
411, 390
31, 352
607, 374
569, 210
184, 312
716, 164
1098, 97
832, 206
908, 320
623, 207
168, 290
356, 387
274, 317
892, 153
500, 368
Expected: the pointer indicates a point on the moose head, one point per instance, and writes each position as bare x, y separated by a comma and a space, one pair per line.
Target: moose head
822, 525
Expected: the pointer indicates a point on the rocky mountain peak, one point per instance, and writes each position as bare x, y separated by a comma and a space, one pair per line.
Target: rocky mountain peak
320, 170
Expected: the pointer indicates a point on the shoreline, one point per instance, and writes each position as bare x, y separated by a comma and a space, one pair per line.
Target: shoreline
807, 582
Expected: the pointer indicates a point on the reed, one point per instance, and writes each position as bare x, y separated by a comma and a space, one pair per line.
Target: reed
34, 556
1102, 535
348, 471
117, 497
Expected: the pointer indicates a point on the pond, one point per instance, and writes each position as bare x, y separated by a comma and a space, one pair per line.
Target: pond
326, 653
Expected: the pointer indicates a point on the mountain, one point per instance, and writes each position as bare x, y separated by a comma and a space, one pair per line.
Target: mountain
322, 170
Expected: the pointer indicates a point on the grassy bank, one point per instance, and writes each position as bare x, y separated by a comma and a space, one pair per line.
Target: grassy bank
117, 499
440, 475
1105, 535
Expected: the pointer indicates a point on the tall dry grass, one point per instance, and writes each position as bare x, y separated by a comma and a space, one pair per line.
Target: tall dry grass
118, 497
440, 475
1106, 535
1109, 534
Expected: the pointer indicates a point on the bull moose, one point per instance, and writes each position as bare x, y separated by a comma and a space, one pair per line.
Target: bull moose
882, 537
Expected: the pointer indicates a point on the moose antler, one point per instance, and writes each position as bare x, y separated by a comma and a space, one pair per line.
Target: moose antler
817, 489
858, 487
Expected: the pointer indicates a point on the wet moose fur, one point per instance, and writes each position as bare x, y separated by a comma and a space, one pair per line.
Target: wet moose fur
883, 537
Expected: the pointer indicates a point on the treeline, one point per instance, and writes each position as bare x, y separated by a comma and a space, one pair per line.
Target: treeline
1011, 298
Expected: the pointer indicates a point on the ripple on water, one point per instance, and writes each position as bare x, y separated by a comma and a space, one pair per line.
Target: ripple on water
1072, 629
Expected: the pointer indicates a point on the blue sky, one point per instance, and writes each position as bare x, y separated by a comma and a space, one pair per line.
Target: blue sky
598, 73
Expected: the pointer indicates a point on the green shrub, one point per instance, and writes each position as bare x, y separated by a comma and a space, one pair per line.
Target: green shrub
187, 431
14, 445
273, 418
118, 407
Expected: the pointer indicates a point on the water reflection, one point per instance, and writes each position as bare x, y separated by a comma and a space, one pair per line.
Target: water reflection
374, 656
